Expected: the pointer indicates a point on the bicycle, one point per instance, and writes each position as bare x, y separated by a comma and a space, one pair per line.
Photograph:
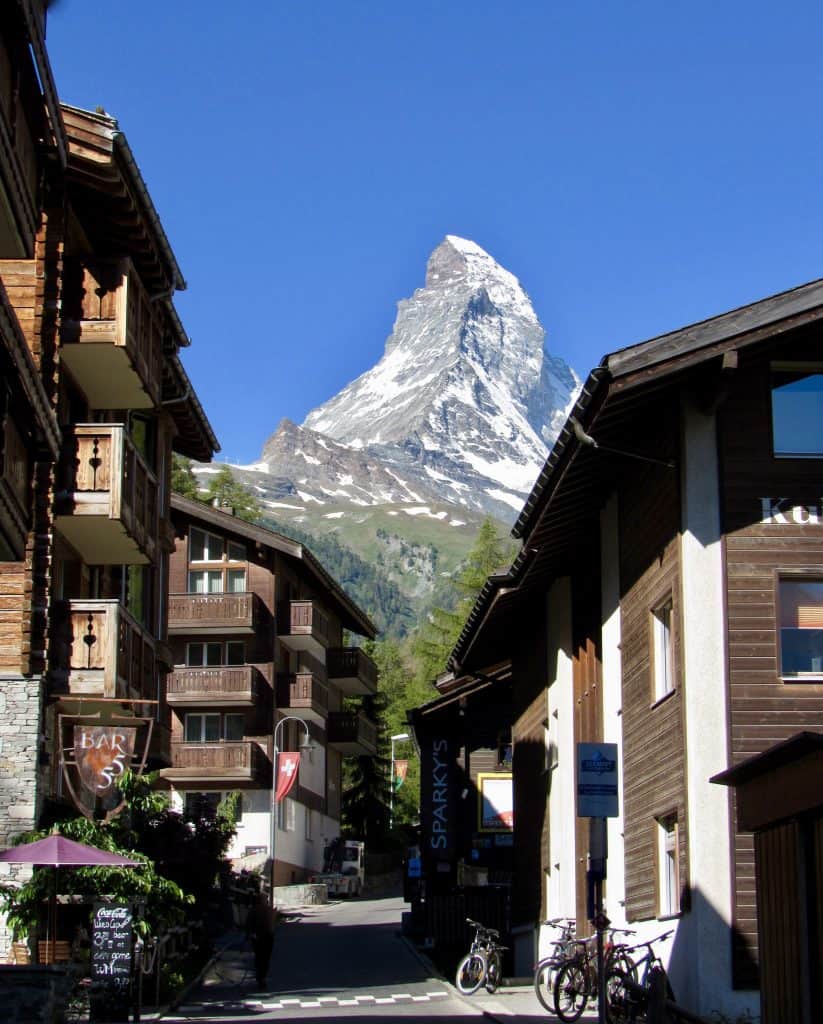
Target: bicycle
483, 964
576, 981
545, 970
627, 998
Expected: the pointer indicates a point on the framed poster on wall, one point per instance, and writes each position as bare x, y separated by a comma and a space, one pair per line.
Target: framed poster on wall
495, 802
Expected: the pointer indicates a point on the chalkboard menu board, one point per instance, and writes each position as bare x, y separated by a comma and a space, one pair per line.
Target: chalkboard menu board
111, 960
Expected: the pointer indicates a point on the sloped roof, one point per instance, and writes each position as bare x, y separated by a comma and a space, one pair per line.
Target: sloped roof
550, 522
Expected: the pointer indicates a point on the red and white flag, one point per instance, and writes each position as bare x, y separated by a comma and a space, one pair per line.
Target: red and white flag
287, 766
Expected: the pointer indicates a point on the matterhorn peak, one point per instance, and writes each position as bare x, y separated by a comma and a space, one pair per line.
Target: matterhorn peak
466, 396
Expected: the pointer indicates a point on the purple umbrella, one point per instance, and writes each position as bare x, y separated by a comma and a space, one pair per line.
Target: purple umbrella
56, 851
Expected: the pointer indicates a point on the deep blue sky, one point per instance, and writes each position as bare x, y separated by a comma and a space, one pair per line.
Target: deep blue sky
638, 165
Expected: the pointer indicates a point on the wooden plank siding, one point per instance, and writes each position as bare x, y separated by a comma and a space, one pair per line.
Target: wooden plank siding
763, 710
653, 731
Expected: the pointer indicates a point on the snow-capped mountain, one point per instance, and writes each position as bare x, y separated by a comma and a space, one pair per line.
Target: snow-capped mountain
465, 401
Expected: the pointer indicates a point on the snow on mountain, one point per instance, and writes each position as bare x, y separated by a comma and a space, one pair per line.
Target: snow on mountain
465, 400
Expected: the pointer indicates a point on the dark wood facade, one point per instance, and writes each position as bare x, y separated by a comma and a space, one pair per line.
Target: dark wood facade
712, 525
272, 617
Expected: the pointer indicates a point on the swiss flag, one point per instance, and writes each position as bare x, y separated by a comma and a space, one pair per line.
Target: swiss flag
287, 766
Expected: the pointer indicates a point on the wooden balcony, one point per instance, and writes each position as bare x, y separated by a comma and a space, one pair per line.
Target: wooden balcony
220, 686
304, 626
110, 654
352, 733
303, 695
217, 762
351, 670
107, 499
194, 614
112, 336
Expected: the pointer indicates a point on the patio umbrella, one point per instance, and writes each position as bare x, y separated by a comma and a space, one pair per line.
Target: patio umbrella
56, 851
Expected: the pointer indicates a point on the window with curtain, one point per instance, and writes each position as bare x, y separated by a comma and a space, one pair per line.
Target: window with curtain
667, 867
801, 628
663, 648
206, 581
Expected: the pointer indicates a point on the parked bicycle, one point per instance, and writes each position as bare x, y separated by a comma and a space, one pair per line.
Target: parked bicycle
483, 964
576, 980
627, 992
545, 971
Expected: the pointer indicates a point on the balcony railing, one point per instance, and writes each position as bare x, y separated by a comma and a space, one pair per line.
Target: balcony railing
112, 337
303, 695
304, 626
351, 732
110, 654
107, 501
213, 613
219, 686
213, 762
351, 670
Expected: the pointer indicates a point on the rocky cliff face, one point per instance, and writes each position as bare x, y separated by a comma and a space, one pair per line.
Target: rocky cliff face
466, 400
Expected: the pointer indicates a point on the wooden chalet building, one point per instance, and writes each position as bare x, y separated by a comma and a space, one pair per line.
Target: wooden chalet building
668, 597
93, 401
257, 628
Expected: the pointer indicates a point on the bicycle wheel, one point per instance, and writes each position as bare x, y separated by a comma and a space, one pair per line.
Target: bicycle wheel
544, 978
621, 1006
494, 971
571, 991
471, 973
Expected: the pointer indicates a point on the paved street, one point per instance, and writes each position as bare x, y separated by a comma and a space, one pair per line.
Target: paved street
345, 959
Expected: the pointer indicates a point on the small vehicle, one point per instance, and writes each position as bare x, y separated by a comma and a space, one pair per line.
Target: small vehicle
627, 999
483, 964
343, 871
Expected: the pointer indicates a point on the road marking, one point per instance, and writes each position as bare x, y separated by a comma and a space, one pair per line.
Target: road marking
322, 1002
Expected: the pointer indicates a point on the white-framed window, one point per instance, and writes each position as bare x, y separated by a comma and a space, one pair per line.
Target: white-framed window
286, 815
662, 627
797, 410
668, 873
205, 581
202, 727
205, 547
235, 581
212, 727
211, 654
801, 627
235, 551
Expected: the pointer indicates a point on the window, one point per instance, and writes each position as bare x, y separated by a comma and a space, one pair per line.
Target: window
797, 409
235, 652
205, 547
215, 653
285, 815
309, 828
234, 726
236, 552
668, 871
201, 806
206, 582
203, 655
202, 728
801, 628
235, 581
663, 648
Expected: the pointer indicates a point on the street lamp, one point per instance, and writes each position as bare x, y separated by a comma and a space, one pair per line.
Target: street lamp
305, 745
395, 739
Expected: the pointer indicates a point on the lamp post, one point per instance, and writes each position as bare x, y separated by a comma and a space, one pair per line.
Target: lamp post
395, 739
305, 745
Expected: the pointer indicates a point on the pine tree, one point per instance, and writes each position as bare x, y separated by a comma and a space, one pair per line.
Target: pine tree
183, 480
224, 490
